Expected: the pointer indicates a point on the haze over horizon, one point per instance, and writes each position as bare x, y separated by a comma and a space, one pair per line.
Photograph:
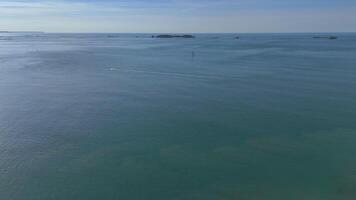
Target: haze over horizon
203, 16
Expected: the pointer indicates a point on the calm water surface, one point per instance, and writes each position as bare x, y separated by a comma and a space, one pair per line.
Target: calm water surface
266, 117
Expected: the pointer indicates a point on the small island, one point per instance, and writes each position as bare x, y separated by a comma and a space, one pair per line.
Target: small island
325, 37
174, 36
113, 36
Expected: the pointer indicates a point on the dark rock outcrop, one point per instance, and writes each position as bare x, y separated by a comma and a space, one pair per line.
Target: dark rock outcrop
174, 36
325, 37
113, 36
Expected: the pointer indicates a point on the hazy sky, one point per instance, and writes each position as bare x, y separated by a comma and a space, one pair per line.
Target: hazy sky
178, 15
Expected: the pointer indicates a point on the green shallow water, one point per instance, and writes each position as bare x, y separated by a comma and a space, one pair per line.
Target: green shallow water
269, 116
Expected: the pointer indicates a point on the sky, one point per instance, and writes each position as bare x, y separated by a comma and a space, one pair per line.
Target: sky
178, 16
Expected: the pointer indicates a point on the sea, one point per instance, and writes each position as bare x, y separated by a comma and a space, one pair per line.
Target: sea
130, 117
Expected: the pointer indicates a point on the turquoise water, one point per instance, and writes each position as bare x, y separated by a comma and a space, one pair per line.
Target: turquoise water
266, 117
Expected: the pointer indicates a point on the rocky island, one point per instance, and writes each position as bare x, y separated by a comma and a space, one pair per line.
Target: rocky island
325, 37
173, 36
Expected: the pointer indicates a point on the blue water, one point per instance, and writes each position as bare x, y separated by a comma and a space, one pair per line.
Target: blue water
265, 117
